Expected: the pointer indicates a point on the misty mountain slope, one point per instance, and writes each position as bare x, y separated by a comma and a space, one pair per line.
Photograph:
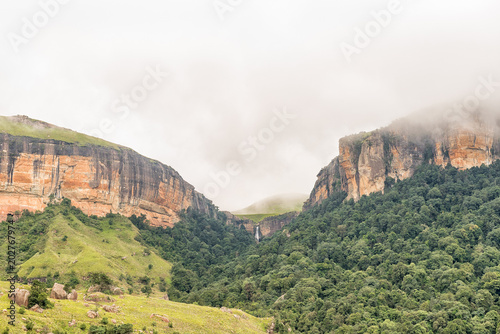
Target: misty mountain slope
422, 258
272, 206
368, 161
27, 127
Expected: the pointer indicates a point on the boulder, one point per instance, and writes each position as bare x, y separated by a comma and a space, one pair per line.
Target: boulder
116, 291
99, 297
113, 321
72, 323
73, 295
93, 288
21, 297
92, 314
58, 292
111, 309
36, 308
166, 297
225, 309
159, 316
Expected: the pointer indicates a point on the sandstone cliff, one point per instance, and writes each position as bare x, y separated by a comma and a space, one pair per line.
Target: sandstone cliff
40, 162
267, 226
270, 225
368, 161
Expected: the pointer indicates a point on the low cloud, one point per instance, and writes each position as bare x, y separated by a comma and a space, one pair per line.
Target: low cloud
226, 77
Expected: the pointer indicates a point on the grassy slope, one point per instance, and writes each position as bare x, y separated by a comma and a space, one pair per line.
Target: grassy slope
94, 250
137, 310
256, 218
38, 129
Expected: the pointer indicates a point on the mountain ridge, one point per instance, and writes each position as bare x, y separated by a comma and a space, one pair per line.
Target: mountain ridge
369, 161
40, 162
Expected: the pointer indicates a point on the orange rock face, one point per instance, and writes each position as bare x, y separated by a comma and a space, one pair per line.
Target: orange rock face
96, 179
368, 160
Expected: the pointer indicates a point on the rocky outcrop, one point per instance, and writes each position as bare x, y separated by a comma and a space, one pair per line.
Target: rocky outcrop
58, 292
163, 318
247, 224
367, 162
98, 179
111, 308
270, 225
98, 297
266, 227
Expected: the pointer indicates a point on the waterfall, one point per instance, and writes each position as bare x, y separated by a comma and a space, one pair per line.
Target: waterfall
257, 237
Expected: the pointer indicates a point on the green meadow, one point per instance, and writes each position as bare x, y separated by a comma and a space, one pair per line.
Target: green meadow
136, 310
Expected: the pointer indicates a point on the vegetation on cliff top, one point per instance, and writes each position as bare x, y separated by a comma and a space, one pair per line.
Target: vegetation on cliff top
27, 127
272, 206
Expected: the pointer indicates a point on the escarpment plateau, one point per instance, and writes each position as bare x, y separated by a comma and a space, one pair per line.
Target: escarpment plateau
367, 162
40, 162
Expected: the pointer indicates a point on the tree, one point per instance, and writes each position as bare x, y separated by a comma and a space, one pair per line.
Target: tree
38, 295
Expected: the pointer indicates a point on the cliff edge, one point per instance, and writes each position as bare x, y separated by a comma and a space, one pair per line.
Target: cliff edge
368, 161
40, 162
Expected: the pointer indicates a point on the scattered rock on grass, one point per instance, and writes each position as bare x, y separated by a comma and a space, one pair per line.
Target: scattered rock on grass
161, 317
73, 295
92, 314
99, 297
111, 309
36, 308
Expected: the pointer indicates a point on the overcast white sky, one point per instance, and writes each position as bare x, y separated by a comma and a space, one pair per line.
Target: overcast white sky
226, 77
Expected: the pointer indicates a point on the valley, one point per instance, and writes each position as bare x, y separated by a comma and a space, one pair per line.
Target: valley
400, 234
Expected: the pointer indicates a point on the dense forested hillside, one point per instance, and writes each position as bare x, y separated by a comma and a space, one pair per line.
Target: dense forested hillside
422, 258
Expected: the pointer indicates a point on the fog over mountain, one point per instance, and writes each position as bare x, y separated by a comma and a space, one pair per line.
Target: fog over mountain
245, 100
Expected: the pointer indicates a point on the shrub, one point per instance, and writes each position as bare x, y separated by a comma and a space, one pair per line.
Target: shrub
29, 326
38, 295
101, 280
